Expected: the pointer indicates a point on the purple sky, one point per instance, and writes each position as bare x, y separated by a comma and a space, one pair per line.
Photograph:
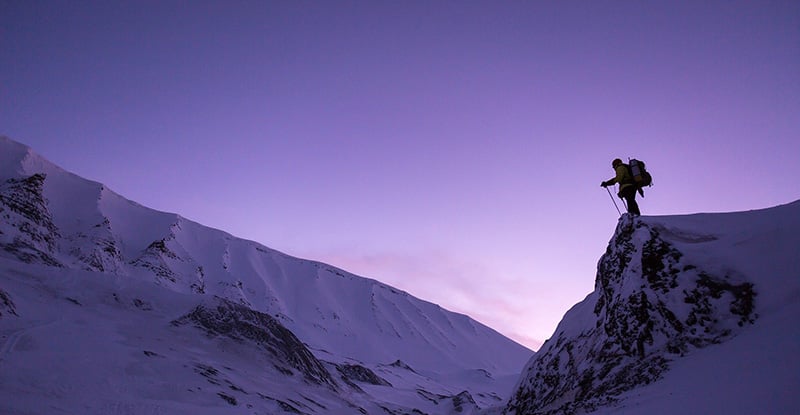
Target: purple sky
451, 149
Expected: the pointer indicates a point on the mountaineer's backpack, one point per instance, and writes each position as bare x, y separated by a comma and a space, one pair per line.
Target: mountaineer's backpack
640, 176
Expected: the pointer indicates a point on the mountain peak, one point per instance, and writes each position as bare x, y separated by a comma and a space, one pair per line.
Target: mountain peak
18, 160
665, 289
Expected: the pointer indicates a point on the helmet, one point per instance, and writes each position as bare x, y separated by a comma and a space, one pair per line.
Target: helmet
616, 163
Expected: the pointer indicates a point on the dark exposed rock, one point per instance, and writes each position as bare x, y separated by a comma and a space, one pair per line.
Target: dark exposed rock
430, 396
30, 253
96, 248
209, 372
142, 305
463, 401
225, 318
285, 406
358, 373
24, 207
25, 197
283, 370
650, 308
160, 247
402, 365
155, 259
199, 287
313, 402
395, 410
230, 399
6, 305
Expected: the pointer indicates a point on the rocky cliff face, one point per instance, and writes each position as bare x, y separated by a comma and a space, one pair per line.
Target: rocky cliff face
651, 304
225, 318
23, 207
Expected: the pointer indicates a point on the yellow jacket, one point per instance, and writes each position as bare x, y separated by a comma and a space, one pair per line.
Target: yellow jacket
623, 178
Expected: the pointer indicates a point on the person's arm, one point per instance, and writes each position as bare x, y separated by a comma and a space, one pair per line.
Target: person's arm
621, 171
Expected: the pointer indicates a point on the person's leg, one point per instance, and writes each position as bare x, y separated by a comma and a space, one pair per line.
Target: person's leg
629, 194
633, 207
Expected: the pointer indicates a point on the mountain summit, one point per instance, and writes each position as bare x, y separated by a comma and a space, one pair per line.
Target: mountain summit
690, 314
136, 298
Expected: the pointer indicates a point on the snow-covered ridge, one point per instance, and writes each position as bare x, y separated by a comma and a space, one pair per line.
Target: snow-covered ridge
56, 219
77, 223
667, 289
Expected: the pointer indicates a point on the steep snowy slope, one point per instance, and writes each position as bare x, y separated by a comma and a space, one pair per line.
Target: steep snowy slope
59, 223
690, 314
81, 343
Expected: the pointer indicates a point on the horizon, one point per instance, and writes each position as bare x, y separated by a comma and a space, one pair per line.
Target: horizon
452, 150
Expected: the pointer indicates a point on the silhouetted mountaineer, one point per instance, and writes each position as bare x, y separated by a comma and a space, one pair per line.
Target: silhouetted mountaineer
627, 186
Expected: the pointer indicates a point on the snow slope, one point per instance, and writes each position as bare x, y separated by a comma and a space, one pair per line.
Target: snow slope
692, 314
92, 280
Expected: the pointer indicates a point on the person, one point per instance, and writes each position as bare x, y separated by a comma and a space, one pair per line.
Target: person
627, 188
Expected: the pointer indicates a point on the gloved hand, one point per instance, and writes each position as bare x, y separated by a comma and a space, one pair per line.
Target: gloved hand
604, 184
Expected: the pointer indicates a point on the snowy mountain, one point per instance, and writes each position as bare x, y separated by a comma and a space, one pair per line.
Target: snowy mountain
107, 306
690, 314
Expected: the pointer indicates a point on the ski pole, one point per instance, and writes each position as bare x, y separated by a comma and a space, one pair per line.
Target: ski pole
614, 201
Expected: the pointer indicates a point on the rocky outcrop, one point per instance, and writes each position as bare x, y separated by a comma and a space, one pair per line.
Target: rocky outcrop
650, 306
463, 402
7, 306
23, 206
96, 249
157, 258
357, 373
225, 318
